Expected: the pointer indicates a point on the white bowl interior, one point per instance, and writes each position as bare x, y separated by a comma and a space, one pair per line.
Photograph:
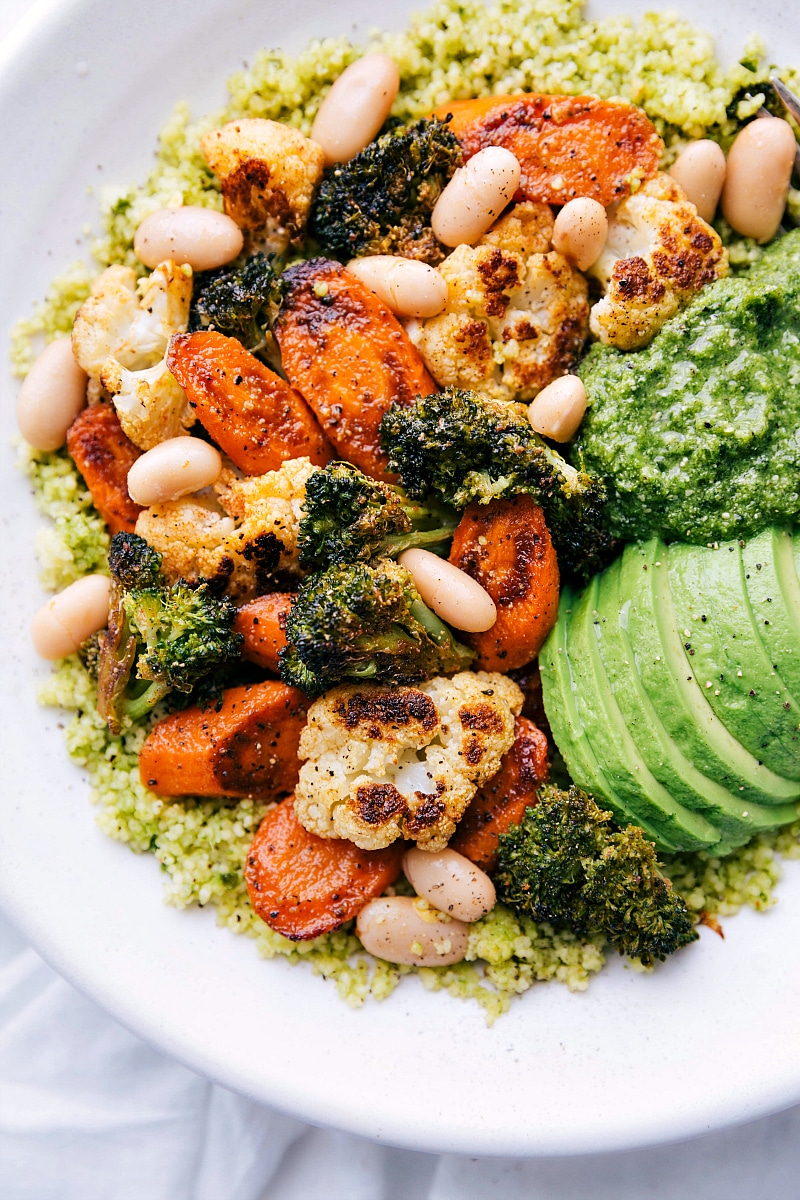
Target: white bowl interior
710, 1039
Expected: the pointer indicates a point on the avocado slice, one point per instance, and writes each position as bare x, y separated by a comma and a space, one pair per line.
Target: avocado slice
727, 657
774, 593
736, 819
682, 705
646, 801
558, 696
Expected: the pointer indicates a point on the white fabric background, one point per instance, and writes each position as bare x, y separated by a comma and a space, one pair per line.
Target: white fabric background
90, 1112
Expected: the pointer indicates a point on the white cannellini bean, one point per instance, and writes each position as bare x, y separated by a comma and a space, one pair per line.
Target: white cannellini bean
174, 468
69, 618
451, 883
409, 288
476, 196
757, 177
700, 170
558, 409
580, 231
53, 394
201, 237
356, 107
452, 594
404, 930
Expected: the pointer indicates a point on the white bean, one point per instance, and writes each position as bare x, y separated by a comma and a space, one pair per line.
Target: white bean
580, 231
476, 196
174, 468
201, 237
53, 394
70, 617
757, 178
356, 107
558, 409
700, 170
451, 883
409, 288
452, 594
404, 930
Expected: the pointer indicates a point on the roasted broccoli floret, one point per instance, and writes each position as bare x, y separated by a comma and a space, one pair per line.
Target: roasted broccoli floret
360, 621
349, 517
381, 201
160, 638
567, 865
464, 447
240, 303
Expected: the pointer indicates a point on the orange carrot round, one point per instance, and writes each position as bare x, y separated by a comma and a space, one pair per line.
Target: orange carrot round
252, 414
104, 454
501, 802
506, 546
302, 885
567, 146
246, 747
261, 625
349, 356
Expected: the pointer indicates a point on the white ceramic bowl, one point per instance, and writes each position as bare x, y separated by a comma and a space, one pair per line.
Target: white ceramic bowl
712, 1038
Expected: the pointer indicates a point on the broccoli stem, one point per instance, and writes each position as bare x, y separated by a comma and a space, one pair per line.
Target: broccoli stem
435, 628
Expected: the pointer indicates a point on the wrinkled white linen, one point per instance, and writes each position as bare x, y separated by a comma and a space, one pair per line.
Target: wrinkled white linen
90, 1112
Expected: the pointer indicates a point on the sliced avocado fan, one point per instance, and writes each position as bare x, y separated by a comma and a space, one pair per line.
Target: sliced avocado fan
692, 735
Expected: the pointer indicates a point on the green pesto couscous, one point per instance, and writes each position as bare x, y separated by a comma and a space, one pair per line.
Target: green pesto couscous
456, 50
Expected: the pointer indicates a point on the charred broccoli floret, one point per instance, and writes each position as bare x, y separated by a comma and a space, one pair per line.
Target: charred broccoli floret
349, 517
241, 303
465, 447
381, 201
567, 865
160, 638
360, 621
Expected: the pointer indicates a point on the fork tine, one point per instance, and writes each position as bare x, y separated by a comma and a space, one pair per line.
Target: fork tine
792, 105
788, 99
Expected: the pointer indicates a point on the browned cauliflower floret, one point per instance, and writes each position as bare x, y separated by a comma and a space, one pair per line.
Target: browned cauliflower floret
120, 337
659, 252
245, 539
401, 762
268, 173
191, 535
517, 313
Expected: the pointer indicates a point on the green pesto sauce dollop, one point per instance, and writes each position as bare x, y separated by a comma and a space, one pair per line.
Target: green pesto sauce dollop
698, 435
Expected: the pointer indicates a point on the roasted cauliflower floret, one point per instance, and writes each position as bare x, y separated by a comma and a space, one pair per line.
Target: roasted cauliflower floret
120, 337
517, 313
659, 252
268, 173
191, 535
384, 763
267, 510
244, 538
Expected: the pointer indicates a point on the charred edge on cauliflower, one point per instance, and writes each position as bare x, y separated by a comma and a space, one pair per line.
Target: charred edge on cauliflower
380, 202
160, 638
566, 864
465, 447
349, 517
240, 303
359, 621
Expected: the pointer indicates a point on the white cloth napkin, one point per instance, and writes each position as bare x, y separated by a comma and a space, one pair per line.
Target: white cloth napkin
90, 1112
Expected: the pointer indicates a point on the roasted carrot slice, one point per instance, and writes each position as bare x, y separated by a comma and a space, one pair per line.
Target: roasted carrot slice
247, 748
567, 146
349, 356
500, 803
261, 624
506, 546
252, 414
303, 885
104, 454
